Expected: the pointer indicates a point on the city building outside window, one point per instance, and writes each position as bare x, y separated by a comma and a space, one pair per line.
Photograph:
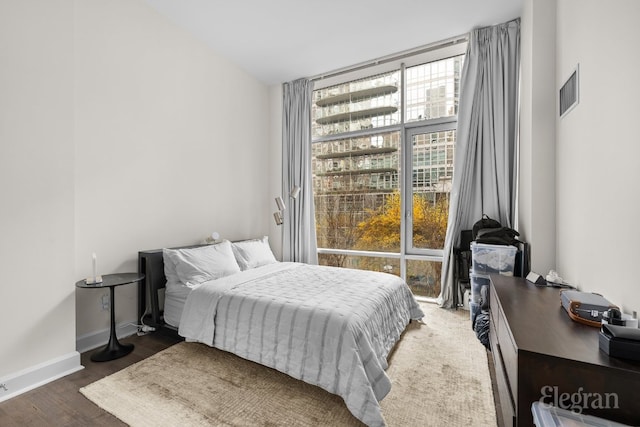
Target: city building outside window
383, 144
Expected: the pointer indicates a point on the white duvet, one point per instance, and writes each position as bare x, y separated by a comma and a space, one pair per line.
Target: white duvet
328, 326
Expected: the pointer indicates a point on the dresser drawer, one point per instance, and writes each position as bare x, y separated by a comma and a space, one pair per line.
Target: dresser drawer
505, 359
505, 394
508, 351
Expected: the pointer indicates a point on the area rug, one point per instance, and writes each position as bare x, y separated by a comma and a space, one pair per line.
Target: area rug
439, 375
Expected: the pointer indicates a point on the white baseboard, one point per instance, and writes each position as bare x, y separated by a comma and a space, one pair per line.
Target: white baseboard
38, 375
97, 339
35, 376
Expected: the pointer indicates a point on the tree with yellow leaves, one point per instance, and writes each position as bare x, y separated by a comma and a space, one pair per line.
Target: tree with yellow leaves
381, 230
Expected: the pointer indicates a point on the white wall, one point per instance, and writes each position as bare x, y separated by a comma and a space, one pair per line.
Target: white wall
579, 201
537, 133
172, 143
118, 133
598, 149
275, 160
36, 184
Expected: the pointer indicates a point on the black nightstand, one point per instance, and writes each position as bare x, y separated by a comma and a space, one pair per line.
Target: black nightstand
114, 349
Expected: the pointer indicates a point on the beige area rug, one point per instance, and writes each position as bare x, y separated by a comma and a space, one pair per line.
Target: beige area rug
439, 373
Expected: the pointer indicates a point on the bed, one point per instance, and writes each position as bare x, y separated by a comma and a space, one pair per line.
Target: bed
330, 327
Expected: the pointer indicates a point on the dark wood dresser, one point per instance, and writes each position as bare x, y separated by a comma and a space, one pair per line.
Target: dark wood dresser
539, 352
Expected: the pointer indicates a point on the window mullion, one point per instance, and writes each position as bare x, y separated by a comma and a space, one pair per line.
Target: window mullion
404, 211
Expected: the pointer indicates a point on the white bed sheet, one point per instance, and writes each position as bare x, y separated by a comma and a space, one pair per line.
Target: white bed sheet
328, 326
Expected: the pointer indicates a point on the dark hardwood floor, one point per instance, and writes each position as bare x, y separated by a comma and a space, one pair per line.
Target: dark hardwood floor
59, 403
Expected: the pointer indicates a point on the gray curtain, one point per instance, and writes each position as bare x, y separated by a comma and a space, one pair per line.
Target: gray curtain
485, 169
299, 229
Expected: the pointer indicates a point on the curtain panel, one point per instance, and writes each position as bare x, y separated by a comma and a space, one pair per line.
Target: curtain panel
485, 166
299, 229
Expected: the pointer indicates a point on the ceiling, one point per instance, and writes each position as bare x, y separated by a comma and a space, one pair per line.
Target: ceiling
282, 40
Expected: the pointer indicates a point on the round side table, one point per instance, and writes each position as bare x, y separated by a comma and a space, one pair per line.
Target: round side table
113, 349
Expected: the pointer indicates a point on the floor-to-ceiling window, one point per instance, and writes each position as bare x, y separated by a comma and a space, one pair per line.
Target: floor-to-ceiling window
382, 159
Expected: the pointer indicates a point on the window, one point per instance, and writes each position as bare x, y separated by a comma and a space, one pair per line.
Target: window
383, 144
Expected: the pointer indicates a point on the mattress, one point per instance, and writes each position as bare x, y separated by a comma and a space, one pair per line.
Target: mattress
174, 300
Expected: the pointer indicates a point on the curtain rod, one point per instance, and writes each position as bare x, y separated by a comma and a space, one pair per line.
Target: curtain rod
395, 57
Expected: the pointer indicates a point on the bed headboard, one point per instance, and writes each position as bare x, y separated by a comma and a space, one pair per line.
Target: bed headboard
151, 264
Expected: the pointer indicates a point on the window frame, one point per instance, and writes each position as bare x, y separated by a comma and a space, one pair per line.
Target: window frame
406, 130
406, 189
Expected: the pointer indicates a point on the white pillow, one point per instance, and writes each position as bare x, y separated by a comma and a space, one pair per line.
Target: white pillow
173, 281
253, 253
196, 265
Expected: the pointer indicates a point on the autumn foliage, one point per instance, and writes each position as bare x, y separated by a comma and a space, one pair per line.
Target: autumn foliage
381, 230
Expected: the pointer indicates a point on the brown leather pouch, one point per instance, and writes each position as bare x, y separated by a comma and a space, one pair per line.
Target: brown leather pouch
585, 307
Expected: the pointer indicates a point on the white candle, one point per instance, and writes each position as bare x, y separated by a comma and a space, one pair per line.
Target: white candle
95, 266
